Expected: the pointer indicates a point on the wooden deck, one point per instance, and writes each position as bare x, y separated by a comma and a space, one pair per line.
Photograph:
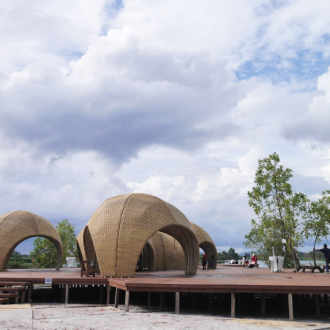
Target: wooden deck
223, 279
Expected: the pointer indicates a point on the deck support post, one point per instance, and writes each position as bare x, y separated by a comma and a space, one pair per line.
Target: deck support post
101, 294
149, 299
290, 307
66, 294
116, 298
317, 306
30, 294
177, 302
162, 301
108, 295
210, 303
126, 308
193, 300
325, 297
263, 304
138, 298
232, 304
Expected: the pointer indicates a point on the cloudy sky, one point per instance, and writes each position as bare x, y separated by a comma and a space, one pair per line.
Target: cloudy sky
178, 99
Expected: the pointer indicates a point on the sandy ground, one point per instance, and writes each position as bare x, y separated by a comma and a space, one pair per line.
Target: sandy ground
77, 317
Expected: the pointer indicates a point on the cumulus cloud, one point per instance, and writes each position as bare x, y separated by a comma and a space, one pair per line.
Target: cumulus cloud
313, 126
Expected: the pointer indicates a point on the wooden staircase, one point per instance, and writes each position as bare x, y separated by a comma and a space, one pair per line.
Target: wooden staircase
13, 292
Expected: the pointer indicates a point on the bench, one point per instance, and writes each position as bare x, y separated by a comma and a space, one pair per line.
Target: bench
312, 268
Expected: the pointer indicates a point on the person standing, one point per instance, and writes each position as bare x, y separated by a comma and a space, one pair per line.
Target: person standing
245, 260
326, 253
204, 261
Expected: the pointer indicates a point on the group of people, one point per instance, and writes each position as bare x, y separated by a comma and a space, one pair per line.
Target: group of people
250, 263
205, 262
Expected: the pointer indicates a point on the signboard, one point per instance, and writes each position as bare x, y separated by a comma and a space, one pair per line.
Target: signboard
284, 241
271, 258
48, 282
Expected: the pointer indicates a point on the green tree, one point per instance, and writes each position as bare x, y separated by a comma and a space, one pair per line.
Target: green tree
278, 210
232, 253
44, 253
317, 215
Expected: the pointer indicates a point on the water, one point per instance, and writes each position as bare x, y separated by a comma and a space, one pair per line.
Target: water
262, 264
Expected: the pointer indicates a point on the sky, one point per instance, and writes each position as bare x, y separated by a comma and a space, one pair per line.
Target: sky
175, 99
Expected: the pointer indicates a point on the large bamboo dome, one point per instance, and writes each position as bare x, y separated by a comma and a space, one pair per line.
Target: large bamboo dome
17, 226
122, 226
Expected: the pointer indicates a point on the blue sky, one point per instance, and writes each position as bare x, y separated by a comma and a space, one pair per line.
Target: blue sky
178, 100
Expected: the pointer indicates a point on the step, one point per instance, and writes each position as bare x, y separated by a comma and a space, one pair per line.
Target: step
4, 300
21, 292
10, 296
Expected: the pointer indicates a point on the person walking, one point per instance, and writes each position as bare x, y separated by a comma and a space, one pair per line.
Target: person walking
326, 253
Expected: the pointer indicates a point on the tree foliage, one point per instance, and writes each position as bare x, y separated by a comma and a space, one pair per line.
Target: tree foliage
44, 253
317, 215
226, 255
279, 211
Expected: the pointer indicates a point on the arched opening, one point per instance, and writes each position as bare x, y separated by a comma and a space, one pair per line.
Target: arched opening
146, 259
189, 243
168, 252
90, 249
51, 239
211, 253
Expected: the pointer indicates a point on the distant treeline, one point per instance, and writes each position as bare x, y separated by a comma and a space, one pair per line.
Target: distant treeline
309, 255
230, 254
18, 260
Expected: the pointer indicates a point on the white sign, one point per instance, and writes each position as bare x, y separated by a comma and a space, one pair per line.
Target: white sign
283, 240
271, 258
48, 280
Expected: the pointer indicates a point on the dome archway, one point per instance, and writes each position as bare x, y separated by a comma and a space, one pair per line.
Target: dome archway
17, 226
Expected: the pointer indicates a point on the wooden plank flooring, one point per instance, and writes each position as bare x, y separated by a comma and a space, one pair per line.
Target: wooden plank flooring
223, 279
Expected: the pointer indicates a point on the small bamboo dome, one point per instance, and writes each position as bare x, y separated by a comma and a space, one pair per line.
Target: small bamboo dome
168, 252
206, 243
17, 226
121, 227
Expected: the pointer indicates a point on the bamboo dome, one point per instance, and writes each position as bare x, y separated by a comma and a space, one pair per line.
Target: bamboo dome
122, 226
205, 242
17, 226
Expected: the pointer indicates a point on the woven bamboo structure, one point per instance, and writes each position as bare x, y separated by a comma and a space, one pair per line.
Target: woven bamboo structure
168, 252
17, 226
206, 243
122, 226
170, 255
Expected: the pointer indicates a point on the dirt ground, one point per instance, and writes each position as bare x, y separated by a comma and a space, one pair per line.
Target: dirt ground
79, 317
